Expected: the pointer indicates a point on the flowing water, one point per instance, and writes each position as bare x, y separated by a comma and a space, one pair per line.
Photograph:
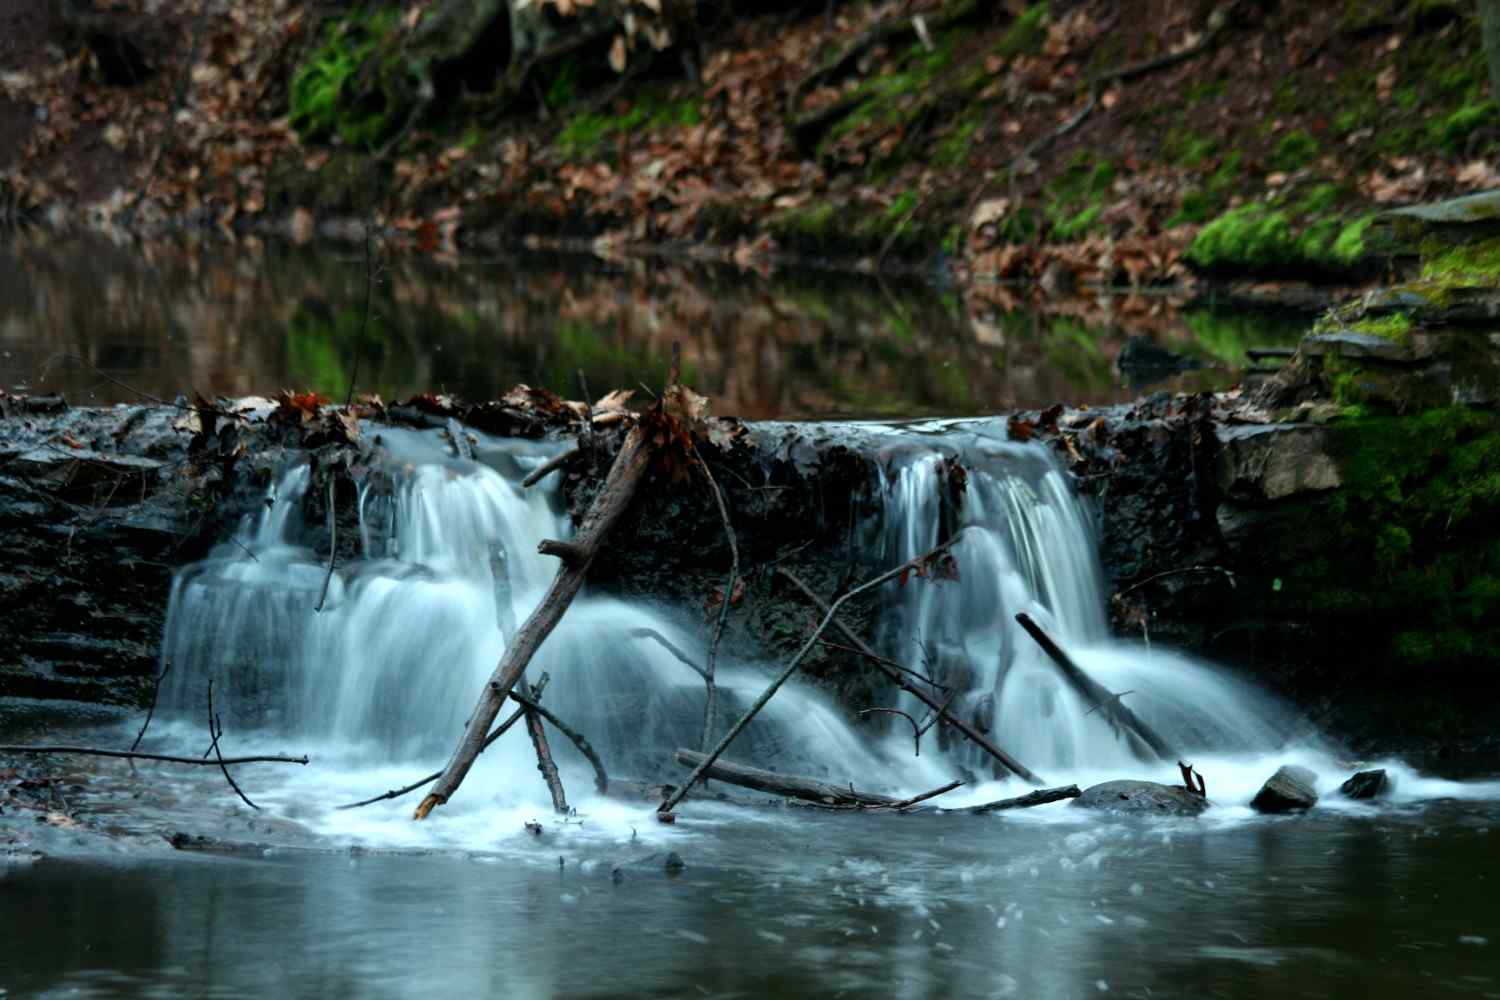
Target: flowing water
1388, 900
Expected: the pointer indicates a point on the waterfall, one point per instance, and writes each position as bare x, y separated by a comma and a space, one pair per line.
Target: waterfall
413, 628
447, 566
1030, 545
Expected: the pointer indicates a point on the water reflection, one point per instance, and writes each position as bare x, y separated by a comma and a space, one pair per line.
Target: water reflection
252, 319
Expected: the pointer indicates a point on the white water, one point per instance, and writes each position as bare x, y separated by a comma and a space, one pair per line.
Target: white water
379, 683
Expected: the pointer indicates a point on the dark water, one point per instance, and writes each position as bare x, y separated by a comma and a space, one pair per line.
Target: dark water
1393, 904
250, 318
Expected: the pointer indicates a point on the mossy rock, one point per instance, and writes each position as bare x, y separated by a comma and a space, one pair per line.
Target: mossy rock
1417, 229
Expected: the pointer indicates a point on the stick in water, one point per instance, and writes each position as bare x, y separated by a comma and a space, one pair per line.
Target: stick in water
907, 567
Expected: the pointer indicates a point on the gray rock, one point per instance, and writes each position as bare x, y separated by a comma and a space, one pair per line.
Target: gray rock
1353, 345
1273, 461
1290, 789
1141, 797
1366, 785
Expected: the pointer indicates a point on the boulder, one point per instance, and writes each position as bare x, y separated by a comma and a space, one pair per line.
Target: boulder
1141, 797
1259, 462
1290, 789
1366, 785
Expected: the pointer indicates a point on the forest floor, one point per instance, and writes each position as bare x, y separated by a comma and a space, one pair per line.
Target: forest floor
1077, 141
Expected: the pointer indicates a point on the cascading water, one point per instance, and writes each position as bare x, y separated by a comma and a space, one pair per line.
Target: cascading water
410, 632
1030, 545
380, 680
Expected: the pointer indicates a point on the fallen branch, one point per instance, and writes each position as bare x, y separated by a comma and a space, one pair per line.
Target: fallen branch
396, 793
898, 677
944, 790
601, 777
609, 504
164, 758
1109, 704
919, 564
873, 655
710, 701
788, 785
1040, 797
550, 466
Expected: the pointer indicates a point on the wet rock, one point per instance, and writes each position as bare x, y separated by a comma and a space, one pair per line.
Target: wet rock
1275, 461
1404, 231
1141, 797
1366, 785
1290, 789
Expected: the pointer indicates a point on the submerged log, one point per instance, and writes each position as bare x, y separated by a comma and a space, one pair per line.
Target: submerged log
1104, 701
614, 497
788, 785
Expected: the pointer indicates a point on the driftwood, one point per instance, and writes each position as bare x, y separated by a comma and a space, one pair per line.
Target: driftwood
787, 785
544, 762
924, 564
614, 497
165, 758
501, 730
899, 678
1039, 797
1106, 702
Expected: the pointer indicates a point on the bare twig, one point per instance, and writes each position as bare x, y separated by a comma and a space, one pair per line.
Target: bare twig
920, 562
333, 547
710, 703
916, 732
881, 659
141, 393
155, 693
215, 730
899, 678
651, 633
1176, 572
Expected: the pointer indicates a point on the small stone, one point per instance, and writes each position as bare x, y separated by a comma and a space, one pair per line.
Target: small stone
1290, 789
1366, 785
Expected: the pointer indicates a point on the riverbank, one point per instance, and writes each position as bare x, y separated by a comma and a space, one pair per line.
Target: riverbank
1045, 142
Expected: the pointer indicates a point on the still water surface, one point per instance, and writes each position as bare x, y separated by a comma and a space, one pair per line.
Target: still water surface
1348, 901
254, 319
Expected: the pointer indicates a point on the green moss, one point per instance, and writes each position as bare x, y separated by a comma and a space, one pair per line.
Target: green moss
1475, 265
586, 135
1395, 326
954, 150
324, 101
1251, 238
1349, 249
1294, 151
1026, 34
1417, 530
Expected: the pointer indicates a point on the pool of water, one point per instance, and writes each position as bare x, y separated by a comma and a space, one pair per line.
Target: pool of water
1389, 901
251, 318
